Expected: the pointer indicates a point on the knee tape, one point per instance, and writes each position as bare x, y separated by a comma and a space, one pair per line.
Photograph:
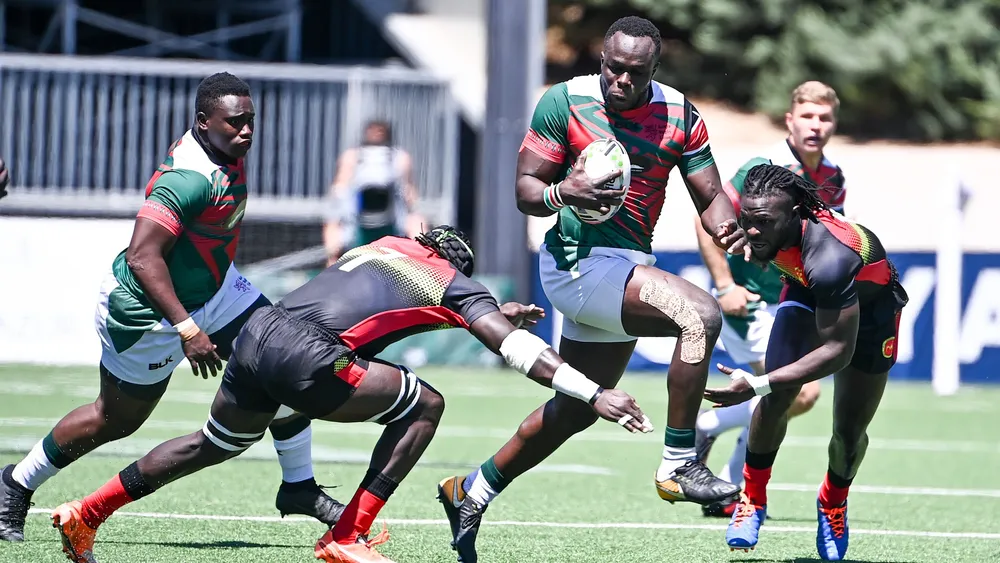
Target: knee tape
228, 440
657, 293
406, 400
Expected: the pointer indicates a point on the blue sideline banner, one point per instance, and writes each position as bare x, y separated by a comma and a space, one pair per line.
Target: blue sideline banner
979, 348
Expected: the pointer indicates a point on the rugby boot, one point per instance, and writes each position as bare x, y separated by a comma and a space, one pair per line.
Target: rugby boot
693, 482
14, 503
464, 515
308, 500
744, 527
721, 509
77, 536
361, 551
832, 533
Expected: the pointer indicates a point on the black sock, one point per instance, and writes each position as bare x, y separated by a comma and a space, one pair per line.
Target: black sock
761, 461
837, 480
134, 483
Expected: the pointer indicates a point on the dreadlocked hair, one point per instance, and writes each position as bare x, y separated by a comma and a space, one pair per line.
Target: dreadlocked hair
451, 244
766, 179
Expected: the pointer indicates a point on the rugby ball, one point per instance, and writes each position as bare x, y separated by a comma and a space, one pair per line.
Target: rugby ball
604, 156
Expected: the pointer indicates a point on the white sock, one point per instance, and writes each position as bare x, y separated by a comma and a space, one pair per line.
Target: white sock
481, 491
35, 468
714, 422
733, 471
672, 459
295, 457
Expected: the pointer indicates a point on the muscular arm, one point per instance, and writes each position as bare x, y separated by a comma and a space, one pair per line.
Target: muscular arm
838, 332
534, 174
145, 256
714, 257
713, 205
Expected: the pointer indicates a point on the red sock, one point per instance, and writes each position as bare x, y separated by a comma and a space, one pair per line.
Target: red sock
358, 517
755, 486
830, 495
102, 503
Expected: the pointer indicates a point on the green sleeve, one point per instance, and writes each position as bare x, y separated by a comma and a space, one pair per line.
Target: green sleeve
741, 175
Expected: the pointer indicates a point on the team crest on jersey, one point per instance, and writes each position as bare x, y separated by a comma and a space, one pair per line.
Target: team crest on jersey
889, 347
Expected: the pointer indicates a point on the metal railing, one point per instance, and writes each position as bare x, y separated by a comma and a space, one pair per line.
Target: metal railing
84, 134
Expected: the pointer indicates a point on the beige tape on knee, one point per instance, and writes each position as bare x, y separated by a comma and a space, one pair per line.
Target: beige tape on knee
658, 294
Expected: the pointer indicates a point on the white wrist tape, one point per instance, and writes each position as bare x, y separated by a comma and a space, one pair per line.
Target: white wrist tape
187, 329
760, 383
520, 350
569, 381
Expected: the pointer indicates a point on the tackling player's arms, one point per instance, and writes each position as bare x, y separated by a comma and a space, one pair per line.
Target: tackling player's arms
531, 356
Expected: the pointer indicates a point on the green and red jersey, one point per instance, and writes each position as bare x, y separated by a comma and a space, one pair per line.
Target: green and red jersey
664, 133
201, 200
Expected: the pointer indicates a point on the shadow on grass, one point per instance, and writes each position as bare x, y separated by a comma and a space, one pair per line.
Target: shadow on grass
211, 544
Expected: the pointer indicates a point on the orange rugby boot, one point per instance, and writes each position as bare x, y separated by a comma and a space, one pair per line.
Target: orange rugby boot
361, 552
77, 536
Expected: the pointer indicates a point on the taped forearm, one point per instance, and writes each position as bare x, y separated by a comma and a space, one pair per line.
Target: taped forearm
521, 350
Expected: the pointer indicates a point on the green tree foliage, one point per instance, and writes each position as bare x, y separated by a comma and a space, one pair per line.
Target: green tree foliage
916, 69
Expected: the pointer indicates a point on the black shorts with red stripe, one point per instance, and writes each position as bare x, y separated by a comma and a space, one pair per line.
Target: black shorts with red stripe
280, 360
878, 328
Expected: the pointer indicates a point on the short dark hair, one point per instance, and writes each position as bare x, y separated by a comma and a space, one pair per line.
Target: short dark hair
218, 85
634, 26
768, 179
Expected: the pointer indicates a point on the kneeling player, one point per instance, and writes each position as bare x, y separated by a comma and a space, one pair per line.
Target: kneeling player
838, 314
315, 351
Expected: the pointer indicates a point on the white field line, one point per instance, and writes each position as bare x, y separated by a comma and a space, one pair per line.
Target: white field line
579, 525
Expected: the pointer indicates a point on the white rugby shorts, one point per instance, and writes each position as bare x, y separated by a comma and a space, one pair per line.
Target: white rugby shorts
157, 352
590, 296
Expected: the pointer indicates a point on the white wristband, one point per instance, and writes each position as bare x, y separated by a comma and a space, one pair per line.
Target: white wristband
760, 383
571, 382
187, 329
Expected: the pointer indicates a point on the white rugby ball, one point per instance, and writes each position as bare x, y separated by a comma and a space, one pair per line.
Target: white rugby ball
604, 156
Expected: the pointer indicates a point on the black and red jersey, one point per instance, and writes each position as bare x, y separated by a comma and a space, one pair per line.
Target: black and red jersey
839, 262
382, 292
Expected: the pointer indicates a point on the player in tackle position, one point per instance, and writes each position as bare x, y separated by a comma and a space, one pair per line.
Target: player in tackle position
601, 277
174, 292
749, 295
316, 351
838, 314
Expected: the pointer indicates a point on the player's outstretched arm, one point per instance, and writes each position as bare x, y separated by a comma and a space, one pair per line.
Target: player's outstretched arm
531, 356
838, 333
